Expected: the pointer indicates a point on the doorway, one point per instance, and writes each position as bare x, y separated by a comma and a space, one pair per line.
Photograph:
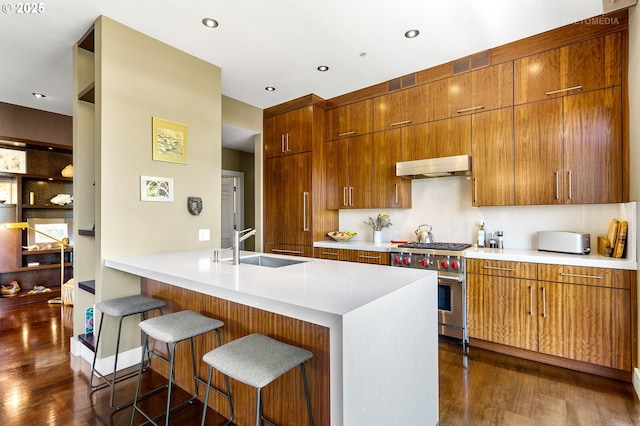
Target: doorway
232, 206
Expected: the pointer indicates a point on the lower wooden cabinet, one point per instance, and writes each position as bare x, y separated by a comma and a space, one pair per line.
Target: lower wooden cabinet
580, 314
360, 256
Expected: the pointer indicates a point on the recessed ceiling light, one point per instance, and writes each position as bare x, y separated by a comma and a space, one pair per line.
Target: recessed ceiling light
38, 95
323, 68
412, 34
270, 88
210, 22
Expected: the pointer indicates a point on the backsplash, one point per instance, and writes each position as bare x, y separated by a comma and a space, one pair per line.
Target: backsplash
445, 204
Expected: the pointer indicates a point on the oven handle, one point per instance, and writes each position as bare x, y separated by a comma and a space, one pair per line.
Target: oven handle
450, 278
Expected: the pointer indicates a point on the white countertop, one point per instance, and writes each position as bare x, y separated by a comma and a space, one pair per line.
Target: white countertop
317, 291
518, 255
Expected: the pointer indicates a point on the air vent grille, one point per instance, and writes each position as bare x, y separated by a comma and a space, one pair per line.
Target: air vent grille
401, 82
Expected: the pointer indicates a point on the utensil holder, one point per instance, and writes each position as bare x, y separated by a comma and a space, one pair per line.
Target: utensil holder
377, 236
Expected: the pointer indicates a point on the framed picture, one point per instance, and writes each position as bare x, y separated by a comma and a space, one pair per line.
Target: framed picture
156, 188
169, 141
56, 227
13, 161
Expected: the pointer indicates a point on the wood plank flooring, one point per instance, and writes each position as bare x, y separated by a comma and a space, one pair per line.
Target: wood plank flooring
42, 384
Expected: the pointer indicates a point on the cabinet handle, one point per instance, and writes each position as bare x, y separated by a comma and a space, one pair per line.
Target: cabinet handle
344, 196
497, 268
362, 256
328, 253
400, 123
351, 195
567, 89
593, 277
570, 186
557, 185
286, 251
281, 143
287, 150
396, 194
530, 300
460, 111
475, 190
305, 197
544, 302
353, 132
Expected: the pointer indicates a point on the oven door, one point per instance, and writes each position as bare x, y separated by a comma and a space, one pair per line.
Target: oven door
451, 306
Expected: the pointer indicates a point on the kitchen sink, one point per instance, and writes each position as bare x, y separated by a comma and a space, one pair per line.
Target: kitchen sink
269, 262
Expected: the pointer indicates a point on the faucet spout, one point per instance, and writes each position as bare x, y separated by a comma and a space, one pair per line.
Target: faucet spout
237, 239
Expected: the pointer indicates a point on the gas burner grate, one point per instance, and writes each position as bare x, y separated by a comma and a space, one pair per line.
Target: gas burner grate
437, 246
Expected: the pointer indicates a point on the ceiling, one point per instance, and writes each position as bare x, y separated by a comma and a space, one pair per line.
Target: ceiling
278, 43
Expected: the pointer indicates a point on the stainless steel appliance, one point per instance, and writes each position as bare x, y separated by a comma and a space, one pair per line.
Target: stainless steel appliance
448, 260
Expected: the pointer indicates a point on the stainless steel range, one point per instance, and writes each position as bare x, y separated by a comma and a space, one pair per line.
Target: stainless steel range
448, 260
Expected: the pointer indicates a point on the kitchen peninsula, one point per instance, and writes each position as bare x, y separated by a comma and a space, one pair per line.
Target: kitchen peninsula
372, 330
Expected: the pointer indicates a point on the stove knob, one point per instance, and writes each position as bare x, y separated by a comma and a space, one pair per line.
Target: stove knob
424, 262
397, 260
445, 264
455, 265
406, 260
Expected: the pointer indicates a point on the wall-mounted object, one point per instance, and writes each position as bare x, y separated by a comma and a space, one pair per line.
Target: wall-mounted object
169, 140
13, 161
156, 189
194, 205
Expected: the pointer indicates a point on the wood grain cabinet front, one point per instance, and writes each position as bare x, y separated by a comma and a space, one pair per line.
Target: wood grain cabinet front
360, 256
389, 190
402, 108
288, 133
349, 171
350, 120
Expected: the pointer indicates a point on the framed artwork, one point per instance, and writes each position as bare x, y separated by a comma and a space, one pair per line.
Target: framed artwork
56, 227
169, 141
13, 161
156, 188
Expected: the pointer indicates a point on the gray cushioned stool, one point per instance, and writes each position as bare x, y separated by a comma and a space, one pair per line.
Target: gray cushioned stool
120, 308
256, 360
172, 329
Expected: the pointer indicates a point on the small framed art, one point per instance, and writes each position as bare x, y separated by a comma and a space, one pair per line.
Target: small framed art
156, 188
169, 141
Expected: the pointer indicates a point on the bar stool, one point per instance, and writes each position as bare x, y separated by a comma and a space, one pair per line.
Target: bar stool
172, 329
120, 308
256, 360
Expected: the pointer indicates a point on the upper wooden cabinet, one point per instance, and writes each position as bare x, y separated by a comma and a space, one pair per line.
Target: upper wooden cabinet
349, 170
480, 90
389, 190
569, 150
288, 133
440, 138
580, 67
350, 120
402, 108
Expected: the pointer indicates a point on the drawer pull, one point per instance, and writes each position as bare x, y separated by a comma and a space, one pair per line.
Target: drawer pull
544, 302
496, 268
593, 277
530, 300
460, 111
567, 89
362, 256
328, 253
286, 251
400, 123
353, 132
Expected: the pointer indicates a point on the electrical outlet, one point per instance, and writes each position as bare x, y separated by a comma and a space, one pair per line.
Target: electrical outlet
204, 234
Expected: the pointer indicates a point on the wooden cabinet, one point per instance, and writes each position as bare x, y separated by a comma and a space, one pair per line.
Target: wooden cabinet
288, 133
350, 120
492, 158
389, 190
501, 304
480, 90
349, 168
402, 108
360, 256
579, 67
576, 314
569, 150
440, 138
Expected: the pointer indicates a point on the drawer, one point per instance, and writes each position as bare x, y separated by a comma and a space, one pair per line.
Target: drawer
502, 268
601, 277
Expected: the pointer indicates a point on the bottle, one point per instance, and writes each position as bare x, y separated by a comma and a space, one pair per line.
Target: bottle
481, 236
500, 239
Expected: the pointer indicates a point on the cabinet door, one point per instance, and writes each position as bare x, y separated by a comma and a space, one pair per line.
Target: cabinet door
492, 158
598, 325
337, 174
388, 189
401, 108
593, 147
360, 168
449, 137
551, 318
350, 120
538, 153
288, 133
492, 88
592, 64
536, 75
451, 95
502, 310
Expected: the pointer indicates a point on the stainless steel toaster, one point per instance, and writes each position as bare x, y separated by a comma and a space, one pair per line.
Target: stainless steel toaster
564, 242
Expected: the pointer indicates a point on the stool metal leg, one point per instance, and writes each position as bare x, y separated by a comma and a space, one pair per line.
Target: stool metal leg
306, 392
209, 387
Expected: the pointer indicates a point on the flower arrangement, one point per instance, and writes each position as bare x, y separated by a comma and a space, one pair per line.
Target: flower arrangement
382, 221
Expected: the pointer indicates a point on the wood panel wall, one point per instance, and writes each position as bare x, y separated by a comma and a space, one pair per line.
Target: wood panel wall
35, 125
283, 400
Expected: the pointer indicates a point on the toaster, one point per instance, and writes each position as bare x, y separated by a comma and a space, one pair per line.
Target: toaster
564, 242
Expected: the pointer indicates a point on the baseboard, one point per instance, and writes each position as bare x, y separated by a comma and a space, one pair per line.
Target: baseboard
105, 365
636, 381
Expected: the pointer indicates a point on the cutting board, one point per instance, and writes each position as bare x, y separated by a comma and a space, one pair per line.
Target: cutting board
612, 235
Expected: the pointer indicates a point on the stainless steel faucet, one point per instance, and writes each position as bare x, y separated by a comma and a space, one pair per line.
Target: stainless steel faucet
237, 239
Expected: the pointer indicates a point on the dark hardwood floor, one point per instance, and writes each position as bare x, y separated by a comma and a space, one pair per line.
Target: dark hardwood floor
42, 384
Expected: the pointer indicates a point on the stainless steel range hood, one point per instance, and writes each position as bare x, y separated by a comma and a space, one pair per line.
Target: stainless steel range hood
458, 165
